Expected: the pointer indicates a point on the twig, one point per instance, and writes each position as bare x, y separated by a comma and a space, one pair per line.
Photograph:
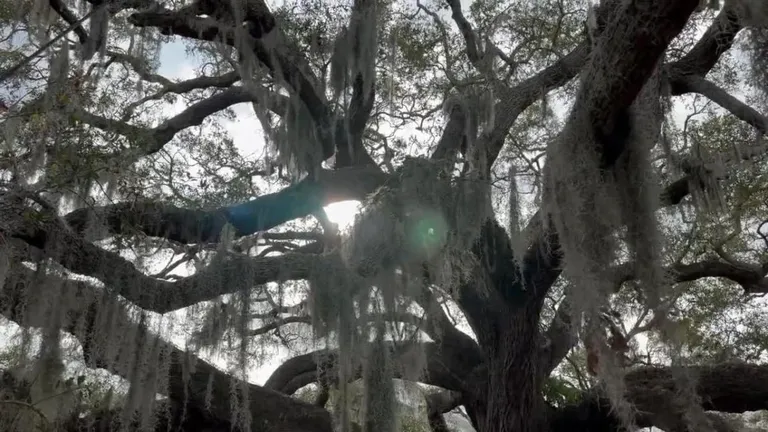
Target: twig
10, 72
36, 410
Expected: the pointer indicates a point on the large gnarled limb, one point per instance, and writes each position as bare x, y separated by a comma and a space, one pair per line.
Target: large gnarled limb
700, 59
751, 277
626, 54
697, 84
85, 313
228, 273
202, 82
728, 388
716, 40
66, 13
283, 63
257, 215
439, 369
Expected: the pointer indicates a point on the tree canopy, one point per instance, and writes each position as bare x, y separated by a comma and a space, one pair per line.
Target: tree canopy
562, 220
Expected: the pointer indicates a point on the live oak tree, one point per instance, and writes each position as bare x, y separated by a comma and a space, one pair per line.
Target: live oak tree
648, 199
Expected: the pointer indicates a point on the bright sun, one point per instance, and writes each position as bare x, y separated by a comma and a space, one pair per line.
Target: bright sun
343, 213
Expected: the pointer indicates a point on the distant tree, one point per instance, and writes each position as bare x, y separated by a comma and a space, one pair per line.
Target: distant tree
563, 222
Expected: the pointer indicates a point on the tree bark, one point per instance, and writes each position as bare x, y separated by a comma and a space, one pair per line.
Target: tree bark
512, 398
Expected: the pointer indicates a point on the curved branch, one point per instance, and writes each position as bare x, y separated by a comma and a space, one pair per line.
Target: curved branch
697, 84
750, 277
139, 66
86, 312
228, 273
439, 327
66, 13
260, 214
470, 39
279, 322
275, 103
728, 387
270, 50
152, 140
558, 335
305, 198
439, 369
518, 98
718, 39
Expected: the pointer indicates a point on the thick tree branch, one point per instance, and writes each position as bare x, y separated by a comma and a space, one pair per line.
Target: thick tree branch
364, 45
66, 13
439, 369
443, 401
202, 82
559, 338
228, 273
697, 84
453, 134
465, 28
643, 33
699, 60
151, 140
305, 198
625, 56
729, 387
260, 214
139, 66
270, 50
750, 277
438, 403
716, 40
95, 319
518, 98
279, 322
439, 327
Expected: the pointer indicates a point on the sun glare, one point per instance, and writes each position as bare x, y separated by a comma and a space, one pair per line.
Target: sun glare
343, 213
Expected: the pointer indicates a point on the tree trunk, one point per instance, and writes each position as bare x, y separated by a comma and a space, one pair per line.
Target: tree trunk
509, 400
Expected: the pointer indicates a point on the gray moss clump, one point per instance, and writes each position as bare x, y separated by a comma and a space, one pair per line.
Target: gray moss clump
421, 218
590, 206
421, 224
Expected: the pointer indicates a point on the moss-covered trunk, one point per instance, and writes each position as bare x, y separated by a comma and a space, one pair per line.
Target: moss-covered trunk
509, 389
